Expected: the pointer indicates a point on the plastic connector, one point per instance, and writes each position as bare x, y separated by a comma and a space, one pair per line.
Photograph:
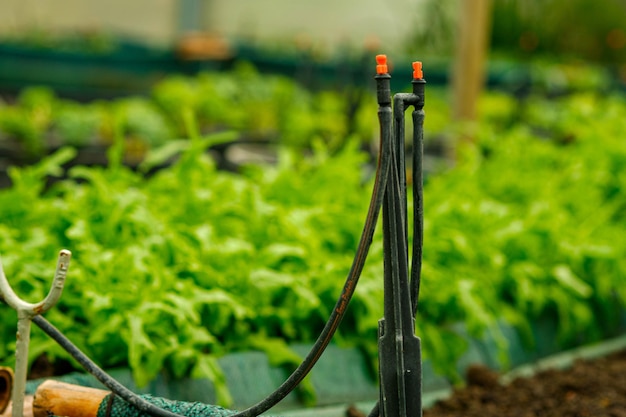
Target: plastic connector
417, 70
381, 67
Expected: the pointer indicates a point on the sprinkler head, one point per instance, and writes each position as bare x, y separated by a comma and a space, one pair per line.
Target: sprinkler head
417, 70
381, 67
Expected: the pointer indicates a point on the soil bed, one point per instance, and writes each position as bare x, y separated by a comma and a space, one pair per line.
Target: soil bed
589, 388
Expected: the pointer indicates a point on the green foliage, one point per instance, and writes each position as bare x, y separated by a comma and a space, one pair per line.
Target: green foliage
27, 122
527, 228
565, 29
591, 31
172, 271
263, 108
77, 124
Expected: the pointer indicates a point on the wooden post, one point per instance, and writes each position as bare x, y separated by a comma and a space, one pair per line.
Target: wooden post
468, 73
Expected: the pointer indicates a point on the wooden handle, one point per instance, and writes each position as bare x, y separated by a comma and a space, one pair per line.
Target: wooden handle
61, 399
6, 385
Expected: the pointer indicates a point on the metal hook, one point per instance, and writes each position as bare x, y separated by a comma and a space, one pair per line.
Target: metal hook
25, 312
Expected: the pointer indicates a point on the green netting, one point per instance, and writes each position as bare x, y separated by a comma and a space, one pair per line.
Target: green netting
120, 408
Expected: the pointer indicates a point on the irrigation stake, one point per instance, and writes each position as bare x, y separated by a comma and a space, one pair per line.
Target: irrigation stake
399, 349
25, 313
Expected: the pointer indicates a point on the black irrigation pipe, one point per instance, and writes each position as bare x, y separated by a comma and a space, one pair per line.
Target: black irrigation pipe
400, 368
378, 192
108, 381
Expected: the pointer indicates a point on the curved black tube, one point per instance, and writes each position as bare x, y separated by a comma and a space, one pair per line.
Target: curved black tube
316, 351
108, 381
336, 316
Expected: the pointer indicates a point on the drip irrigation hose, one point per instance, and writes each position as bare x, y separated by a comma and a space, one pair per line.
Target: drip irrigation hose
378, 192
314, 354
108, 381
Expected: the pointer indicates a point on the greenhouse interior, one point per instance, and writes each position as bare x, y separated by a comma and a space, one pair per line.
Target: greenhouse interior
313, 209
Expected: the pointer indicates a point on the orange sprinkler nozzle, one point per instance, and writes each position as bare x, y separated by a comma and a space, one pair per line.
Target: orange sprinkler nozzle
417, 71
381, 68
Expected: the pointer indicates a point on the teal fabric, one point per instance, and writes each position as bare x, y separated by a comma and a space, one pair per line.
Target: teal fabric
120, 408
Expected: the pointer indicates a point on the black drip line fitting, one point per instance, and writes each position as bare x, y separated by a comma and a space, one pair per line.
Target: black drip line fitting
399, 350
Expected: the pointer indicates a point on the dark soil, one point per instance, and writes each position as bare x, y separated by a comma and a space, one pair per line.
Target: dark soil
590, 388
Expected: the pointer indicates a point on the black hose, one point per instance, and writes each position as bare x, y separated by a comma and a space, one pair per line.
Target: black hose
108, 381
338, 312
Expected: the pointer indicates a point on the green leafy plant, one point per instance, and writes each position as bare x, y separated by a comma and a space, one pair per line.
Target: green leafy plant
172, 271
77, 125
265, 108
260, 106
27, 122
159, 282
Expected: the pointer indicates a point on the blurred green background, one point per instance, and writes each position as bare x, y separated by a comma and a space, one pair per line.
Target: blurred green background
220, 154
